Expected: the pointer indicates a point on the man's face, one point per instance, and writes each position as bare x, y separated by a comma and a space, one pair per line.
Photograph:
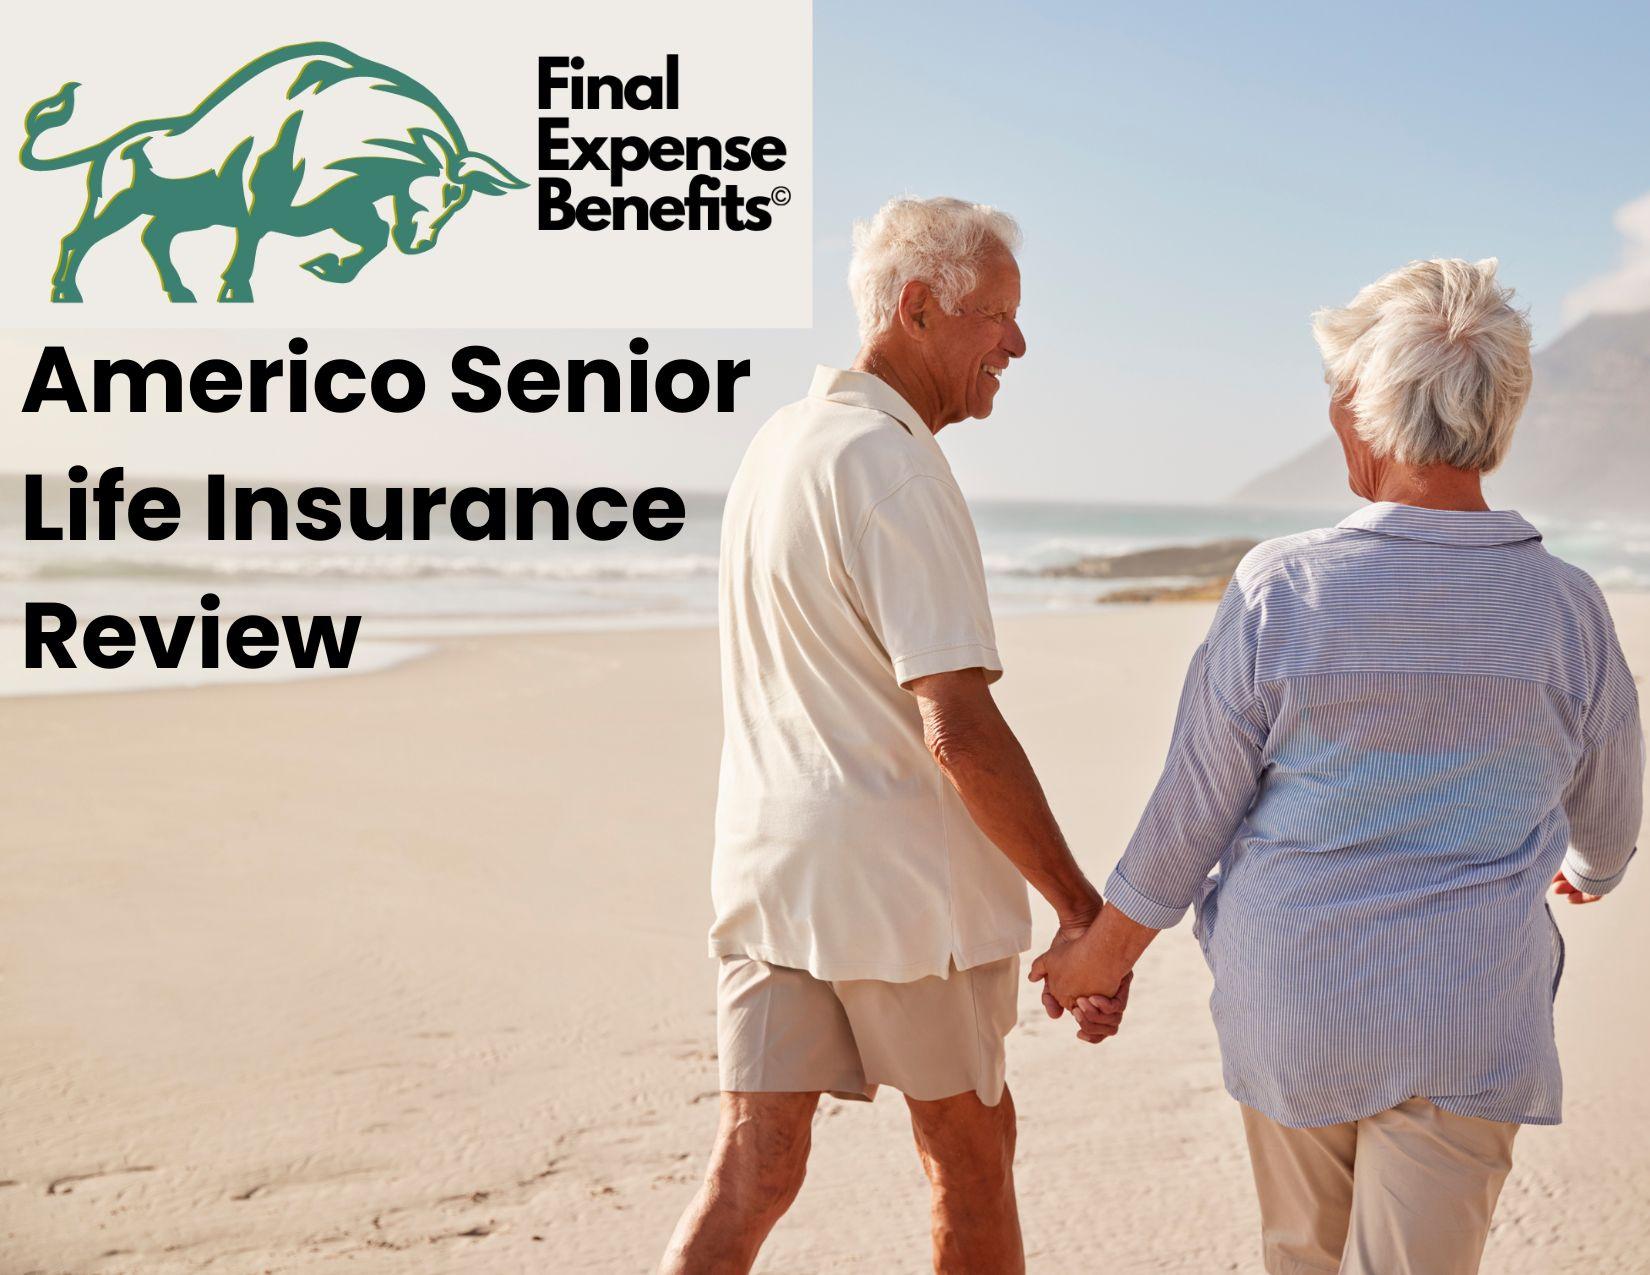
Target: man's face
968, 351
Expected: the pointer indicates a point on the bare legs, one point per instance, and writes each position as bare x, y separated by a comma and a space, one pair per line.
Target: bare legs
761, 1154
755, 1172
967, 1150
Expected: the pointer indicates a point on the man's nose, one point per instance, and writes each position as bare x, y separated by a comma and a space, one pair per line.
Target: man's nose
1016, 342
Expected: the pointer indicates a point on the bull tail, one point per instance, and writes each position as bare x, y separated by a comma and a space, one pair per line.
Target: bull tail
49, 112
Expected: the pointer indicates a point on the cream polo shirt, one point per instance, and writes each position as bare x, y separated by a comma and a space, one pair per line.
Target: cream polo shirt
850, 566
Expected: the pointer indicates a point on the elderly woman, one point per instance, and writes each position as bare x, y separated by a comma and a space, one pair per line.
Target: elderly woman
1397, 731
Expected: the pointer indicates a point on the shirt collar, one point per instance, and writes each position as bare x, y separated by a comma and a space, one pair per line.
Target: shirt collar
863, 389
1464, 527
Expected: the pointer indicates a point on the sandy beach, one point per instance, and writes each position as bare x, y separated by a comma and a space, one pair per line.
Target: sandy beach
404, 974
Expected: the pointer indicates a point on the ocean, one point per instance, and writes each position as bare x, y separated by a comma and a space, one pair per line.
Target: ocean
412, 593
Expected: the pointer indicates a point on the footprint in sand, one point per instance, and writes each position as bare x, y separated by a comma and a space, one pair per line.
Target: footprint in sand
65, 1185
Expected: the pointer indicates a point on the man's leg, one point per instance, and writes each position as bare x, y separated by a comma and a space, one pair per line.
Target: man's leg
782, 1039
1425, 1191
967, 1150
755, 1172
1304, 1180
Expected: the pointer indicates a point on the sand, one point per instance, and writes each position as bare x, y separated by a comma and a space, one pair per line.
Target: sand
404, 973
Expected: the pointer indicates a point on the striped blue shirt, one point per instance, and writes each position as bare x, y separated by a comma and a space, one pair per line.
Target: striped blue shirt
1397, 730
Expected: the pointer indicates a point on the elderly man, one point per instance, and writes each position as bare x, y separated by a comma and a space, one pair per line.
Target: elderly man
870, 914
1396, 733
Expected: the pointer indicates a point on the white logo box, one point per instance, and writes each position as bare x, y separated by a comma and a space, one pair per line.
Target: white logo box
744, 69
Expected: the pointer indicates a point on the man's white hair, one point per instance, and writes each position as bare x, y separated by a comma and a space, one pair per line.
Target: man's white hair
939, 242
1436, 360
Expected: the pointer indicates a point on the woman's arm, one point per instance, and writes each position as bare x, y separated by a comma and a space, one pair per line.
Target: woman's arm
1605, 799
1208, 784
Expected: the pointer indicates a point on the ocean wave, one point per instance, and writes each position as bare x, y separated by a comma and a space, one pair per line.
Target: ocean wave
364, 567
1059, 551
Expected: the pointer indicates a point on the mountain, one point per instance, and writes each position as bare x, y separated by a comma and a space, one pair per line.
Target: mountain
1582, 449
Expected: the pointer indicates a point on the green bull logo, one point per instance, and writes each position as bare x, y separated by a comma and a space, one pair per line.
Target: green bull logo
305, 139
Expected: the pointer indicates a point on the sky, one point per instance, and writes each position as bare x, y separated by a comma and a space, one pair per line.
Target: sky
1192, 182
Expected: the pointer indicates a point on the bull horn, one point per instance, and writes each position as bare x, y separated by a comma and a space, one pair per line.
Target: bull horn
439, 148
485, 175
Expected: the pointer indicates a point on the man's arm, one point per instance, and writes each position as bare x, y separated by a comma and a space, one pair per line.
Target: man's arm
979, 754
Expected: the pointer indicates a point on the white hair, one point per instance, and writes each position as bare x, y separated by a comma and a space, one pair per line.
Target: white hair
1436, 360
939, 242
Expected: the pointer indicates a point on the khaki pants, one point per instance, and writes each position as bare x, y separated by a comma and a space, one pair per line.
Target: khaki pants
1409, 1191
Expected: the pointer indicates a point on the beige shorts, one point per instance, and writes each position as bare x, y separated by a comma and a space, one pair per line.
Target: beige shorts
781, 1030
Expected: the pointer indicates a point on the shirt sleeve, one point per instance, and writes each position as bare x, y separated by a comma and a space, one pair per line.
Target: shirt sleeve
1605, 800
1209, 780
920, 582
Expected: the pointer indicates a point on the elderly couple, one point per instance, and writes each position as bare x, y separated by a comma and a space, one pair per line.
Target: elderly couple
1397, 733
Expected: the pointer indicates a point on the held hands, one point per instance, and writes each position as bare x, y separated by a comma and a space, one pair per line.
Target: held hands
1066, 967
1561, 886
1068, 933
1100, 1016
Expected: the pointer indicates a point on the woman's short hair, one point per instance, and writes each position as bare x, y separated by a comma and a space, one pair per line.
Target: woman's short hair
1436, 361
937, 241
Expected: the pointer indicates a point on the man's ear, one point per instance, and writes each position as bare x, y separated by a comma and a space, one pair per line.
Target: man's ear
916, 308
